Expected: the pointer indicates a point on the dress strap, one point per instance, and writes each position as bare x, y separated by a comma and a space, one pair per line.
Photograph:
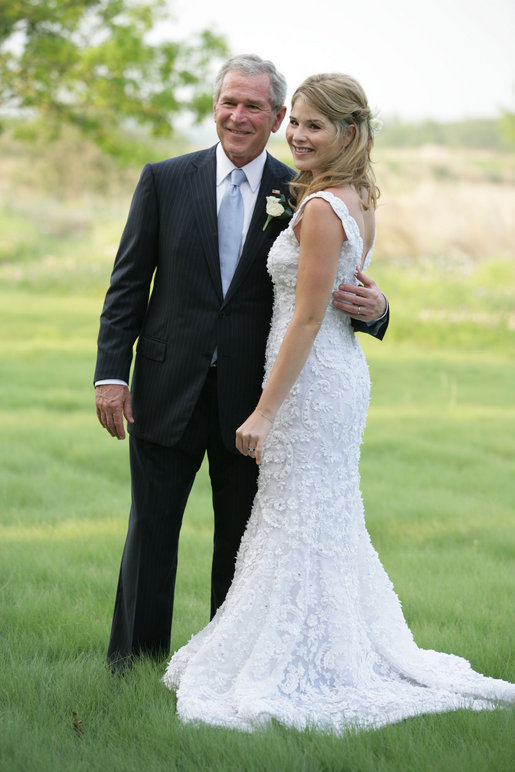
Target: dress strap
339, 207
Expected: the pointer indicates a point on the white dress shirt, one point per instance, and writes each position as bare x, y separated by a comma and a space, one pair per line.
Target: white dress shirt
249, 188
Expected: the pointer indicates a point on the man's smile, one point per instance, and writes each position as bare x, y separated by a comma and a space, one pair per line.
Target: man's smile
238, 132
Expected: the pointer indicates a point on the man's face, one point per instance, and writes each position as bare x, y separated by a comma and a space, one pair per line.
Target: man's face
244, 116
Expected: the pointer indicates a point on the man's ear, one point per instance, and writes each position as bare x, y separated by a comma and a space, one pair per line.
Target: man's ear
279, 118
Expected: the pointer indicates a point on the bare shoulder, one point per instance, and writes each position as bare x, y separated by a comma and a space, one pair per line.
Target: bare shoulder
364, 218
316, 206
318, 213
354, 203
349, 195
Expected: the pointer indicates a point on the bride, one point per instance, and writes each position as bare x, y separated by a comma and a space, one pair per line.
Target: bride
312, 632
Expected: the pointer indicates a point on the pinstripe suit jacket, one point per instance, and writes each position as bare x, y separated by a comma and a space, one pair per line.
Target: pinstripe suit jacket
166, 293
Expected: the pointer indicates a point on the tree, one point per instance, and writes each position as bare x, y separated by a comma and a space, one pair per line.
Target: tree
91, 63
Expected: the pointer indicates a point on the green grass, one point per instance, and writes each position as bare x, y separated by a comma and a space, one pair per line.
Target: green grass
438, 488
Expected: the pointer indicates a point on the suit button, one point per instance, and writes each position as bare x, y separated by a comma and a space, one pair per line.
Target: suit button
221, 314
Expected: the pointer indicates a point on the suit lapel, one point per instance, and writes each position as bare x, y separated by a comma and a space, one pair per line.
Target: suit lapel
274, 178
202, 191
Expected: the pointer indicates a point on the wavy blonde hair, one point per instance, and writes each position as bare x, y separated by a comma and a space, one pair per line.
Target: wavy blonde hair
342, 100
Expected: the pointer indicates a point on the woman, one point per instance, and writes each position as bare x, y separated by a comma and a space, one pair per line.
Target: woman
311, 632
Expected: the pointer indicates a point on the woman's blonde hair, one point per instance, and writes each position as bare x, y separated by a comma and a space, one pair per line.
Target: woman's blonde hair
342, 100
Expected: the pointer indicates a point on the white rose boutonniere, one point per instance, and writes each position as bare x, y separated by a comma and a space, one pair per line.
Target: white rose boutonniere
277, 206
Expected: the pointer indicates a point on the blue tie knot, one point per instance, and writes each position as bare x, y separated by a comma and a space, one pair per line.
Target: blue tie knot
237, 177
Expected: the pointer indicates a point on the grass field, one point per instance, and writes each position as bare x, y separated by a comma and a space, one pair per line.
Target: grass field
438, 489
437, 479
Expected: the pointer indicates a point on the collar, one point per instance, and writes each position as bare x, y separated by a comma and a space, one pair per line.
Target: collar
253, 170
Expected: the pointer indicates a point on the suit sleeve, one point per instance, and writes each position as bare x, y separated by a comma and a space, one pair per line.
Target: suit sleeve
377, 329
127, 297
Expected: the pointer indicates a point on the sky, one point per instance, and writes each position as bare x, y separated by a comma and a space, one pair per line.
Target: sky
442, 60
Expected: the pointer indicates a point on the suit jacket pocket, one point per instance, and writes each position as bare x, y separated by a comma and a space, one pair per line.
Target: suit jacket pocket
151, 348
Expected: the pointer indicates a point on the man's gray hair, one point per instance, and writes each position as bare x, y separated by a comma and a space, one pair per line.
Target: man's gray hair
250, 64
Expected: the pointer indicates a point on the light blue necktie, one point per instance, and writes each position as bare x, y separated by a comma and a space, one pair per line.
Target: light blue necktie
230, 226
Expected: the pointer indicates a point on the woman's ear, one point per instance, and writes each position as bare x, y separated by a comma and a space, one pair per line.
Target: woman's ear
349, 135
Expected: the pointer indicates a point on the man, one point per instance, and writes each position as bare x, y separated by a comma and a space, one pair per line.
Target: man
201, 339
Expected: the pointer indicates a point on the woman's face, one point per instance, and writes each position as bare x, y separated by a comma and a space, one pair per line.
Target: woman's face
312, 138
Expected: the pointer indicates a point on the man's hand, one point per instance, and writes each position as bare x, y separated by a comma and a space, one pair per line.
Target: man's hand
365, 302
113, 402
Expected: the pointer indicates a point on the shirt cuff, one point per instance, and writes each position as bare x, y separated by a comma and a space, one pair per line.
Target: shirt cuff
379, 318
111, 380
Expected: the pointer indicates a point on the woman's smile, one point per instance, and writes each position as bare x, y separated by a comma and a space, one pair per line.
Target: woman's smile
312, 138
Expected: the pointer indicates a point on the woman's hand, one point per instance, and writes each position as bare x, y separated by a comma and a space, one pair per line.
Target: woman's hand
251, 435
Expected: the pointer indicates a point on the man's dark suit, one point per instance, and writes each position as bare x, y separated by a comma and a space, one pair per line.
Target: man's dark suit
182, 406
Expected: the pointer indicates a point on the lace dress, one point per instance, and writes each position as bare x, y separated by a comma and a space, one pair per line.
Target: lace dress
312, 633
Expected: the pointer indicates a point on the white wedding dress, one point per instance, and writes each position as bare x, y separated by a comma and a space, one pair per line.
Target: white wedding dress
312, 633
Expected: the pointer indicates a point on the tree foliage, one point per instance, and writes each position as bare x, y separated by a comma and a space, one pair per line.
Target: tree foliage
93, 64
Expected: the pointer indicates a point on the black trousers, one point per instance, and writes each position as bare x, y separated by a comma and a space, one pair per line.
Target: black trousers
161, 480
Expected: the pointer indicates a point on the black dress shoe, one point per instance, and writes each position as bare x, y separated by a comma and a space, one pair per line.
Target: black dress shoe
119, 666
